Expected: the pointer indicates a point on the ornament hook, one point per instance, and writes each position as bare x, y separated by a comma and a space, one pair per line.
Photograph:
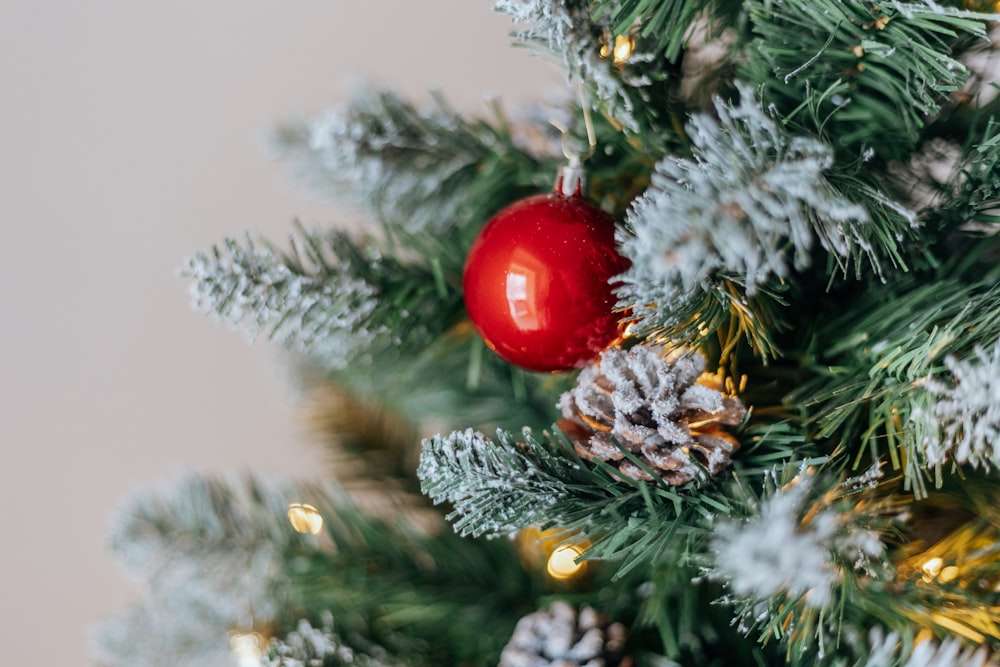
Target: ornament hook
570, 181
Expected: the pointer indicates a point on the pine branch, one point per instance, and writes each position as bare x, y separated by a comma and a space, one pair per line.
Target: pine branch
208, 554
749, 210
497, 487
422, 596
973, 192
871, 392
892, 650
724, 312
669, 22
945, 575
801, 564
863, 74
424, 171
633, 93
331, 309
219, 554
323, 312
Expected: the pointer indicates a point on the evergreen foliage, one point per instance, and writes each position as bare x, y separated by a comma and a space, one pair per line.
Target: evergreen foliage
863, 74
748, 209
322, 311
668, 23
208, 552
807, 193
420, 169
900, 335
964, 423
332, 308
571, 29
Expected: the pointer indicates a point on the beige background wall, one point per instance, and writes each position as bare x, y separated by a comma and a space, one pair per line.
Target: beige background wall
130, 137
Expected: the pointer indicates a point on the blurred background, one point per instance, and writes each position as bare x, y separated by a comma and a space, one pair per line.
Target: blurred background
132, 135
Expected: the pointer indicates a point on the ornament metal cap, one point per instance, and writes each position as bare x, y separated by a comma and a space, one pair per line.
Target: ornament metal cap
570, 182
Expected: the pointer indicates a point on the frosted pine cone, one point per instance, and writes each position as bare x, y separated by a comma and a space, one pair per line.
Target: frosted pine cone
662, 410
559, 637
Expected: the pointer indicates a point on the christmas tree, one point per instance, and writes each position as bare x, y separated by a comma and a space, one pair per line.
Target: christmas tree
706, 371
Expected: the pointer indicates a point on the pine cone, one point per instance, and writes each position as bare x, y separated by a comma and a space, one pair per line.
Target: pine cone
662, 410
559, 637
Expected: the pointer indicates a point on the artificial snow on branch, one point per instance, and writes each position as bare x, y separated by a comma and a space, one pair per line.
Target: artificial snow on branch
569, 29
494, 487
784, 550
416, 169
322, 310
961, 422
804, 556
208, 552
889, 650
751, 204
331, 297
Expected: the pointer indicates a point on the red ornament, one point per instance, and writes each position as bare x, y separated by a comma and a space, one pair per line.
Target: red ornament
536, 282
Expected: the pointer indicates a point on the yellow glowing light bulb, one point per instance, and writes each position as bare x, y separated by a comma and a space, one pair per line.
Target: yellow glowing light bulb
305, 518
562, 563
948, 574
931, 568
623, 48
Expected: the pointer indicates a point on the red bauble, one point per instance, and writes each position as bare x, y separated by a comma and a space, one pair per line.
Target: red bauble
537, 282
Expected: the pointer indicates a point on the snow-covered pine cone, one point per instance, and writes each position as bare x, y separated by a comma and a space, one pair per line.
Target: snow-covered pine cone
560, 637
661, 409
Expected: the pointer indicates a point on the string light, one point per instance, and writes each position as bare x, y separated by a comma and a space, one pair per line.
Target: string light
305, 518
948, 574
931, 568
553, 552
562, 564
621, 51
